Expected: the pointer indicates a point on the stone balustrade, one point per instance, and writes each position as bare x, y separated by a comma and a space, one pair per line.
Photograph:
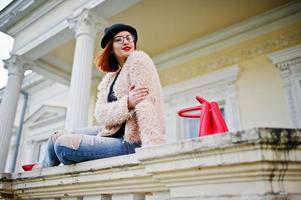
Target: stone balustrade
260, 163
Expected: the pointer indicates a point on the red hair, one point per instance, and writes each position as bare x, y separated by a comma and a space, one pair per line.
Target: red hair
106, 60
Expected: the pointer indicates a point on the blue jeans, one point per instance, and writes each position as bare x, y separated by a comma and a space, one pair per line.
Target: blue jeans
81, 145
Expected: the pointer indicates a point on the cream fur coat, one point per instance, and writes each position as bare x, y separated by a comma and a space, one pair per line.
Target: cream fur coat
146, 122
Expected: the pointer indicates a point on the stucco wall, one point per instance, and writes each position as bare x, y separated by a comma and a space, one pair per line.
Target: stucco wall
262, 101
261, 95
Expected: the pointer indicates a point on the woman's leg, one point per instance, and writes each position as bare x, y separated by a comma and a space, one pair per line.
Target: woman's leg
51, 158
75, 148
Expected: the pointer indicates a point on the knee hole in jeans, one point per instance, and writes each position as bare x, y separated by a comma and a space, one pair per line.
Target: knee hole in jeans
69, 140
56, 135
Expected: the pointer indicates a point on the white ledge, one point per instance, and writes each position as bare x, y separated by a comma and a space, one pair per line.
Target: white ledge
260, 163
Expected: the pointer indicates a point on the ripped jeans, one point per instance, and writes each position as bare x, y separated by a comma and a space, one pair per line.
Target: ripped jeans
79, 145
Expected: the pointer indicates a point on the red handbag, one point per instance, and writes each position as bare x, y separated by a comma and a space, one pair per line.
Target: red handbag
211, 118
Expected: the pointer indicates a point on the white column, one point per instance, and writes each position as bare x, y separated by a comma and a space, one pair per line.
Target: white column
85, 24
16, 67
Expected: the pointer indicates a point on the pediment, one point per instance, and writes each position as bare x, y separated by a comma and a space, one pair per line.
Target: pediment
44, 114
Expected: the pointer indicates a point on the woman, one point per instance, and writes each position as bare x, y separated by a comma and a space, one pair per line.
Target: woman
128, 108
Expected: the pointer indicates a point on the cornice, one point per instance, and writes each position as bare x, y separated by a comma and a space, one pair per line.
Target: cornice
17, 10
286, 64
251, 28
287, 57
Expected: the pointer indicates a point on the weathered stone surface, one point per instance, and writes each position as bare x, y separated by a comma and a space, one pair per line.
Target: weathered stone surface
260, 163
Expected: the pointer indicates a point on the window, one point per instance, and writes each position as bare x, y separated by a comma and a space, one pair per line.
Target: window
41, 150
40, 126
216, 86
191, 128
191, 125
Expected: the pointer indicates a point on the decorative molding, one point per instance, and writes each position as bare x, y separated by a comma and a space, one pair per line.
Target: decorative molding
261, 47
288, 61
287, 57
258, 25
286, 64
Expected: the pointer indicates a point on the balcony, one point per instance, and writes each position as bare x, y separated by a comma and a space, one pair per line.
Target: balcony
260, 163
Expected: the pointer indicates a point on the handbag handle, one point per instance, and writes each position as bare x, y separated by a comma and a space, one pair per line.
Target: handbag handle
183, 112
201, 100
211, 119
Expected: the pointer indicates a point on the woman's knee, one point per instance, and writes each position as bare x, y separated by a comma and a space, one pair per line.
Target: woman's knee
71, 141
56, 135
65, 146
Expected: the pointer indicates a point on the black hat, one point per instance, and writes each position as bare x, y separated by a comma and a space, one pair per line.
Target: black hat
111, 31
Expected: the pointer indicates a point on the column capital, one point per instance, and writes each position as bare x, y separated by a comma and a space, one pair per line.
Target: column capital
86, 22
17, 65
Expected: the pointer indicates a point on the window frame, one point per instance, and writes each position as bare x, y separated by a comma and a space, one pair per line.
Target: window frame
288, 61
216, 86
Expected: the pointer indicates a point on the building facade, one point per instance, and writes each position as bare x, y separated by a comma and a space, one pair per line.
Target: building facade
244, 55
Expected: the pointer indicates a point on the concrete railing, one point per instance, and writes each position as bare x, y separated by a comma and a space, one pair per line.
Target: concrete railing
261, 163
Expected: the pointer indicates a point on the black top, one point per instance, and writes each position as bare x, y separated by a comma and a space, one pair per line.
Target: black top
111, 98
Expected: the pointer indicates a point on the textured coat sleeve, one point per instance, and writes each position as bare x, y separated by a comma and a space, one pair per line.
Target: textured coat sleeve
143, 73
113, 113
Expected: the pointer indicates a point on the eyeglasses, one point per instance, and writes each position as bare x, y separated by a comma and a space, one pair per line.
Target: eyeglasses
120, 39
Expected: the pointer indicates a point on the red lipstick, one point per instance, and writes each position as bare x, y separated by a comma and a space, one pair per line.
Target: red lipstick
126, 48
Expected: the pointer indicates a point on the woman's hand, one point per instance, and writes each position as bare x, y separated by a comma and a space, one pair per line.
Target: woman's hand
136, 95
